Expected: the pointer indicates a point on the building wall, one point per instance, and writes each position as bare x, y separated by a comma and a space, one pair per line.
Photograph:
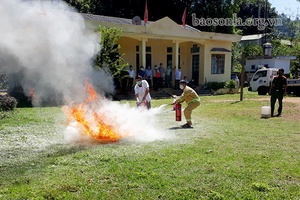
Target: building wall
128, 49
159, 51
159, 55
207, 75
185, 59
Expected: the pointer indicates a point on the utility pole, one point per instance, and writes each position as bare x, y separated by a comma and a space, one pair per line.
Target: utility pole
243, 61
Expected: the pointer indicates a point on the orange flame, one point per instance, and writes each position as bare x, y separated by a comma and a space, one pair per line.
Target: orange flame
90, 122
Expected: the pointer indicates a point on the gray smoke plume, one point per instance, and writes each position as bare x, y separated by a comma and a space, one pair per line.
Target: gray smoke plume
48, 44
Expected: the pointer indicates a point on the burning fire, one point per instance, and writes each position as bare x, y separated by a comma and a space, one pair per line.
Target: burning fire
90, 121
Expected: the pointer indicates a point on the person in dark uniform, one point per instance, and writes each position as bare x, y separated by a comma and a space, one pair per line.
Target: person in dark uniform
277, 91
124, 80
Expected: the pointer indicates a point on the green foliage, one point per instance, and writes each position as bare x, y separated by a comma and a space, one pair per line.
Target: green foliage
230, 84
215, 9
279, 49
255, 9
109, 58
252, 50
84, 6
7, 103
215, 85
237, 51
3, 80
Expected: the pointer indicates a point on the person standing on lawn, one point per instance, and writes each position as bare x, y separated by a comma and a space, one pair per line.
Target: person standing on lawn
277, 91
191, 97
142, 92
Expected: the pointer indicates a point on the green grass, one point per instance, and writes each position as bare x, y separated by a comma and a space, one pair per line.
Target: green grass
230, 154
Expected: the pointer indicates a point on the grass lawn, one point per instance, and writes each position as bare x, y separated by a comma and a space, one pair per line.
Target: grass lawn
231, 153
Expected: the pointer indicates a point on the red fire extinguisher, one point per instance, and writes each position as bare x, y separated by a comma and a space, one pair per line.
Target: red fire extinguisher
178, 111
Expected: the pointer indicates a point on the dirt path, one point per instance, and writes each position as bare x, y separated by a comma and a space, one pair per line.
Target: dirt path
285, 99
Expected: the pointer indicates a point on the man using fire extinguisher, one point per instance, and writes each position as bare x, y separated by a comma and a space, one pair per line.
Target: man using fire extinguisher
142, 92
191, 98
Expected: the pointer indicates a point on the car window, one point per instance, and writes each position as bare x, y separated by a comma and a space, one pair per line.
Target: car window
259, 74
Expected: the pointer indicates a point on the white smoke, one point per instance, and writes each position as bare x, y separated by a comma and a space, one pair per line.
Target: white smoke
133, 124
48, 42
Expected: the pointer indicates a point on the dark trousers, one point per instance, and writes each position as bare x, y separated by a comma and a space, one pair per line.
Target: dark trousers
155, 83
124, 82
149, 82
177, 84
161, 82
130, 84
168, 81
274, 96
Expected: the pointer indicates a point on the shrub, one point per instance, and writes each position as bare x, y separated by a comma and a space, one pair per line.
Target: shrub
7, 103
215, 85
230, 84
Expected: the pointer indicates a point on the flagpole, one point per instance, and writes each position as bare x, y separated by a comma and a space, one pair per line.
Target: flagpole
183, 18
146, 14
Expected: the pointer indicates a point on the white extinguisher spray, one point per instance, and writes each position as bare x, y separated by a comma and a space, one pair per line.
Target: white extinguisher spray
178, 112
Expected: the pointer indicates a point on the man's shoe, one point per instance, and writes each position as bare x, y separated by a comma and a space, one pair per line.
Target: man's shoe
278, 115
186, 126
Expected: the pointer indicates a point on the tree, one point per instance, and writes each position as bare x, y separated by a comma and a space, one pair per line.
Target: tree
109, 58
279, 49
295, 64
237, 51
171, 8
251, 50
210, 9
250, 9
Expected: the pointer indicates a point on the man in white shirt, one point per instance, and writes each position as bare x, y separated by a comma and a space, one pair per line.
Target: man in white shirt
142, 92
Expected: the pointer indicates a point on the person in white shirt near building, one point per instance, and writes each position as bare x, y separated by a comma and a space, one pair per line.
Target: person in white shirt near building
142, 92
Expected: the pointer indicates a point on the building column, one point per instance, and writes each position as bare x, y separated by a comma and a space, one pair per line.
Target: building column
176, 54
144, 40
176, 60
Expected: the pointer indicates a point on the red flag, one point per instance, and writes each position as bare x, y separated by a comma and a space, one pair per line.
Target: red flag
146, 14
183, 17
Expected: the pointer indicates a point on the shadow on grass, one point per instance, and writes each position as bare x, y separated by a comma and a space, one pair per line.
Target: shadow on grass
235, 102
178, 127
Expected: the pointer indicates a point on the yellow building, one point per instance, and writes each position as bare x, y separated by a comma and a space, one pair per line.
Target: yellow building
202, 56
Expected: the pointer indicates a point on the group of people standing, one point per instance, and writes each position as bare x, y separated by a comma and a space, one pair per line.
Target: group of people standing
160, 77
